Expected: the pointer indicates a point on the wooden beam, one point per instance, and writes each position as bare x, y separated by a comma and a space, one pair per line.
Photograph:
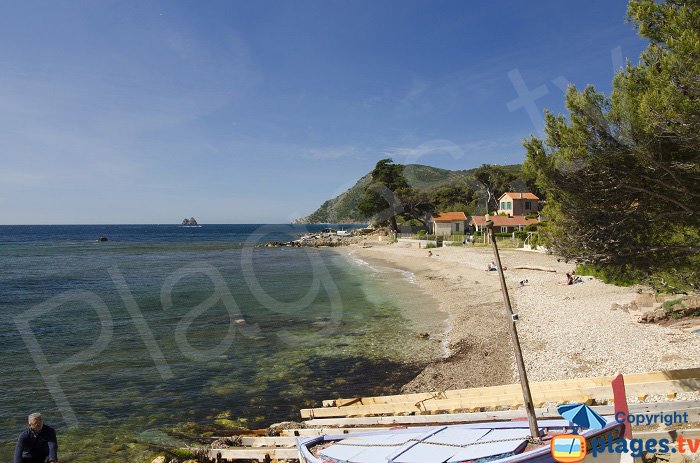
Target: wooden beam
271, 441
579, 395
310, 432
509, 400
257, 453
599, 381
690, 407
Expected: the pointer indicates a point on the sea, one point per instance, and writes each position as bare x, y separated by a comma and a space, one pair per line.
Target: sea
129, 345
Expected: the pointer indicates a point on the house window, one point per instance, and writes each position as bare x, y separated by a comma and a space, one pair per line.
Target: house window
527, 205
504, 229
457, 227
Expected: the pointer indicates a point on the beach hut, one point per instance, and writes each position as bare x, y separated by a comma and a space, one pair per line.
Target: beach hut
448, 223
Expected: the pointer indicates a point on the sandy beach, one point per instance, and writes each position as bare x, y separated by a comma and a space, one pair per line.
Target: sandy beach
565, 331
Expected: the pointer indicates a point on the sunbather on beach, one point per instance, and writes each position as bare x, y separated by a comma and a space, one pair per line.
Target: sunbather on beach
569, 280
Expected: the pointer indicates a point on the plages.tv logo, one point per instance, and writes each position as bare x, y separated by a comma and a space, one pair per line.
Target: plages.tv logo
571, 448
568, 448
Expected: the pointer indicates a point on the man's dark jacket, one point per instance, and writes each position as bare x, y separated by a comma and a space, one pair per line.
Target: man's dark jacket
36, 447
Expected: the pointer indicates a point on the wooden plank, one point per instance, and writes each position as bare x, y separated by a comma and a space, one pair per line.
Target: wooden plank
254, 453
271, 441
582, 395
423, 420
534, 267
692, 408
310, 432
437, 405
598, 393
602, 381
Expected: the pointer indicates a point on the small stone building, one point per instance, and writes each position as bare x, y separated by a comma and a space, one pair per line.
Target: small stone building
448, 223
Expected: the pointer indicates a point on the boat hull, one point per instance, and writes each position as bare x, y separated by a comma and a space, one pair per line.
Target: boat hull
542, 454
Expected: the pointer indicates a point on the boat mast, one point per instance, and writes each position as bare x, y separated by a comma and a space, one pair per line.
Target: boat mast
527, 396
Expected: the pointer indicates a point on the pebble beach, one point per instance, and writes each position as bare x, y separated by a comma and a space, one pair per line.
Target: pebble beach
566, 331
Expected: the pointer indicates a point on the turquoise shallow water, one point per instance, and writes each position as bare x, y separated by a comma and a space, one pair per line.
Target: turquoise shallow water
162, 326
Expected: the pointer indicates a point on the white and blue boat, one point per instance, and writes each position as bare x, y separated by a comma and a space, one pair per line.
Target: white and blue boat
502, 442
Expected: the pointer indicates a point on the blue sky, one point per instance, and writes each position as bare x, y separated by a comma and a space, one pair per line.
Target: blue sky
257, 112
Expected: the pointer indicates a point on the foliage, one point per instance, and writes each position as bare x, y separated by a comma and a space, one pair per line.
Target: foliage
520, 235
621, 173
457, 197
668, 305
496, 180
382, 197
436, 182
430, 246
620, 276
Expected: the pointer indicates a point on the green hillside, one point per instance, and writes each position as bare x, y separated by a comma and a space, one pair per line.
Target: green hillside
343, 208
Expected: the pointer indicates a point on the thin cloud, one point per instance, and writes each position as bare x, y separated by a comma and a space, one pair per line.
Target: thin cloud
432, 147
22, 179
334, 152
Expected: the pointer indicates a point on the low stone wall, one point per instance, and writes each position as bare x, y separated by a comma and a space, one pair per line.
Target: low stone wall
417, 243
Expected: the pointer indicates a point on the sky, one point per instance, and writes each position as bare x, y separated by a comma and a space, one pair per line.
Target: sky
258, 111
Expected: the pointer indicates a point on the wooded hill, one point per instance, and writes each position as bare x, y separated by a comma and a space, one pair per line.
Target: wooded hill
343, 208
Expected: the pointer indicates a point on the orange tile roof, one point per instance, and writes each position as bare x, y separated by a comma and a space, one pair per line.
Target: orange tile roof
520, 195
503, 221
449, 216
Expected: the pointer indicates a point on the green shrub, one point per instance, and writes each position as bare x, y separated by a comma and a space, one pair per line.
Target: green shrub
616, 276
422, 233
531, 216
503, 235
668, 305
532, 227
521, 235
430, 246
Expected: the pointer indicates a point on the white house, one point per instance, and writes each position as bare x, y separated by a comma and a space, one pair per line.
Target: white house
448, 223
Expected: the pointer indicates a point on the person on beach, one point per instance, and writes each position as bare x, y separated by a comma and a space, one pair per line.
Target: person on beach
569, 280
37, 444
491, 267
430, 253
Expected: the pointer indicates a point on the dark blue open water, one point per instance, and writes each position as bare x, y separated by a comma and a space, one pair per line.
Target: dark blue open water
168, 327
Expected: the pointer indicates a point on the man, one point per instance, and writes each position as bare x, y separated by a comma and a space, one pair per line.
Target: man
38, 443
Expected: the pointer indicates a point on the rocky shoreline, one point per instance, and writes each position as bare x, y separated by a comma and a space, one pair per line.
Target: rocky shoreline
331, 239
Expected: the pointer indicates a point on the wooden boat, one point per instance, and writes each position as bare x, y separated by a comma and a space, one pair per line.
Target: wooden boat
501, 442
